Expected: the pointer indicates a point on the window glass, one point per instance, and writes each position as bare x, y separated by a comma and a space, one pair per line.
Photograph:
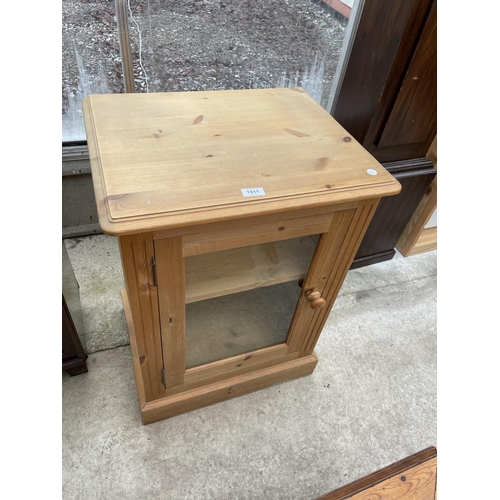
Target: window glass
91, 62
189, 45
193, 45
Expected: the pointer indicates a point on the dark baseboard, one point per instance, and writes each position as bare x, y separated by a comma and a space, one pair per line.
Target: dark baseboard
372, 259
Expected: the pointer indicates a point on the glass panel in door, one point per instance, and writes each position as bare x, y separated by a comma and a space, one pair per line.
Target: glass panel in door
243, 299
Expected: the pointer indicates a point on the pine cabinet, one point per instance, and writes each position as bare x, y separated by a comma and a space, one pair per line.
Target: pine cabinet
238, 215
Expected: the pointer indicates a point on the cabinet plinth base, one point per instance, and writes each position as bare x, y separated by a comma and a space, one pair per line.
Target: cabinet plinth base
211, 393
171, 406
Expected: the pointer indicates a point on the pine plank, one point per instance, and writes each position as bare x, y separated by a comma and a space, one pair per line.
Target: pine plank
136, 254
227, 389
245, 234
268, 224
427, 241
409, 242
242, 361
141, 394
413, 478
177, 159
170, 275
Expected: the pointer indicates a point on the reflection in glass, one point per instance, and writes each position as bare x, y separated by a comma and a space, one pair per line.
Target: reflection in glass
237, 44
239, 323
185, 45
91, 61
243, 299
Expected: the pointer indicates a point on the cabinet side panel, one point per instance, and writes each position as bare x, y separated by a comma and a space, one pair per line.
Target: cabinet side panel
137, 253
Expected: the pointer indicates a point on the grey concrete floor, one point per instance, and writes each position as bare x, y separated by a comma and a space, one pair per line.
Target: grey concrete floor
370, 402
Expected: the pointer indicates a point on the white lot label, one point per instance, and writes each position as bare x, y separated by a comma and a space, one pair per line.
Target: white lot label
253, 192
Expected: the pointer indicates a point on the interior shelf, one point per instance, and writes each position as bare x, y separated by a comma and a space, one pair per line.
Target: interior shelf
236, 270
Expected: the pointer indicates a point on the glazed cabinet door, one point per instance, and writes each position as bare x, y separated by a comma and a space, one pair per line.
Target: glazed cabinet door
247, 296
226, 311
239, 301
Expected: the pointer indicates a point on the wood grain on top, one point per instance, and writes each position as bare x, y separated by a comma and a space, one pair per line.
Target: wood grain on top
173, 159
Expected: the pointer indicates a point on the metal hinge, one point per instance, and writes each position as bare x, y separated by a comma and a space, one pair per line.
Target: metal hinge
163, 377
153, 265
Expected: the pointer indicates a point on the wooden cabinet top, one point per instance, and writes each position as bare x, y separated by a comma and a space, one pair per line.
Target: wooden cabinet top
176, 159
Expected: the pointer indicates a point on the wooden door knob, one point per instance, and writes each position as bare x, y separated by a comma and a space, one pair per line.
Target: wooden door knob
315, 298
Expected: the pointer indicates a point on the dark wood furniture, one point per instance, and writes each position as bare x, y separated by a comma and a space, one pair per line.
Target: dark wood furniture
388, 102
420, 234
393, 214
73, 352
